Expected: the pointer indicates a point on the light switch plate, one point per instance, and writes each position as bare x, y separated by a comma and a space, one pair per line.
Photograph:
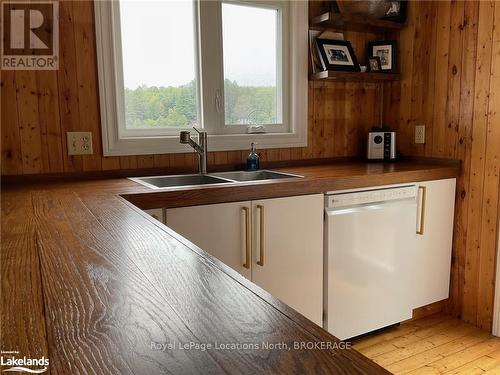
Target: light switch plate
420, 134
79, 143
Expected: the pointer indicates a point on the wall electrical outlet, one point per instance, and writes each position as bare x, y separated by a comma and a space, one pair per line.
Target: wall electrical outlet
79, 143
420, 134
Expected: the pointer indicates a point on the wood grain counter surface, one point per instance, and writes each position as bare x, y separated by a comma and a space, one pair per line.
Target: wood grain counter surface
96, 285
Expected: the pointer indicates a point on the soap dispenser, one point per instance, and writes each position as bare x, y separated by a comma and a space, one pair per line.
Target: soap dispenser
253, 159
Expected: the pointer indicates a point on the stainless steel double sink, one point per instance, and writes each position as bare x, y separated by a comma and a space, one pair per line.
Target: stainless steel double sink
192, 180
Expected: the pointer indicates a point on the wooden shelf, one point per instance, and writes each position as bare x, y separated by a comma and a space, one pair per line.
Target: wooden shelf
354, 76
353, 22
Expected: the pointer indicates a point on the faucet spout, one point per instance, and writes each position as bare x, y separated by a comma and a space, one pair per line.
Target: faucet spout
201, 147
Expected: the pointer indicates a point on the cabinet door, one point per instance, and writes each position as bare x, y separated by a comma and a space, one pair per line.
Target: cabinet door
434, 240
219, 229
288, 251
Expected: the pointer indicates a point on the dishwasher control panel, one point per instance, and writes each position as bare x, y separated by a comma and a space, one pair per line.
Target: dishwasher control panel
370, 196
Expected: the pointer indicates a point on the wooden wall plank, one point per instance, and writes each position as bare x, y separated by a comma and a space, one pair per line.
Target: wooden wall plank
161, 161
48, 113
415, 93
328, 125
463, 151
285, 154
308, 150
339, 120
320, 107
12, 162
407, 36
110, 163
454, 78
128, 162
391, 105
86, 75
68, 84
29, 126
145, 161
430, 81
489, 215
351, 110
477, 154
441, 68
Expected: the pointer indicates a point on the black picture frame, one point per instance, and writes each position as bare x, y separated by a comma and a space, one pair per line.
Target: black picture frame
388, 64
347, 61
376, 60
403, 11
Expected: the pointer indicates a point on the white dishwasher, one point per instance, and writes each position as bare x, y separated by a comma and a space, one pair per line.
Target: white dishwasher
369, 254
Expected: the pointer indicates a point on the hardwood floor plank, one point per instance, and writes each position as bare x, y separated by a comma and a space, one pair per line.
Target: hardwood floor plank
487, 364
395, 332
460, 358
420, 346
412, 363
408, 340
433, 345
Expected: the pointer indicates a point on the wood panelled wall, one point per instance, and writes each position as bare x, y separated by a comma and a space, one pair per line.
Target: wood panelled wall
39, 107
450, 59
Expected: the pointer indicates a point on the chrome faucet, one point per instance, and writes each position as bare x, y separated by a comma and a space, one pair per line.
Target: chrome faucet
201, 147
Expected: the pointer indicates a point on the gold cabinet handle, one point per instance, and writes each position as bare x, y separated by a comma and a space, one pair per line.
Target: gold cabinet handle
246, 210
422, 210
260, 262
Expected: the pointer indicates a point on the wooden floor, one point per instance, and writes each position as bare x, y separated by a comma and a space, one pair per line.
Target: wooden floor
437, 344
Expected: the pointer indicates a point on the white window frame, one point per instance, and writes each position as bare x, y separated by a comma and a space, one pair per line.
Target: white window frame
120, 141
123, 132
282, 70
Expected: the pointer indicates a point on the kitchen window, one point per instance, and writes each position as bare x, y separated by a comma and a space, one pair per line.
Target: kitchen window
237, 69
251, 42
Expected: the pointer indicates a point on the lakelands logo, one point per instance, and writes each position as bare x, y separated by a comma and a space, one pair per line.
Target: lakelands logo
30, 35
25, 364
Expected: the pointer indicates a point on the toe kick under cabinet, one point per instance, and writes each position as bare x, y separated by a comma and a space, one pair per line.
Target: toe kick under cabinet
276, 243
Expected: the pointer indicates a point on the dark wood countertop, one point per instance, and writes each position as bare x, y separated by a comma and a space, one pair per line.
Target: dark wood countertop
90, 281
317, 179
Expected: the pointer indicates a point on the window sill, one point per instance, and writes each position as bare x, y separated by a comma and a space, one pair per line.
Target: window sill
226, 142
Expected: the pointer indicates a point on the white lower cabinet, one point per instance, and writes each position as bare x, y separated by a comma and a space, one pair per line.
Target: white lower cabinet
278, 243
284, 238
436, 208
291, 247
219, 229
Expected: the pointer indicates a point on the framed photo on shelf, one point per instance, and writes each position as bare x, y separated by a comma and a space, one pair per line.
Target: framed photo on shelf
387, 53
374, 64
397, 10
337, 55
